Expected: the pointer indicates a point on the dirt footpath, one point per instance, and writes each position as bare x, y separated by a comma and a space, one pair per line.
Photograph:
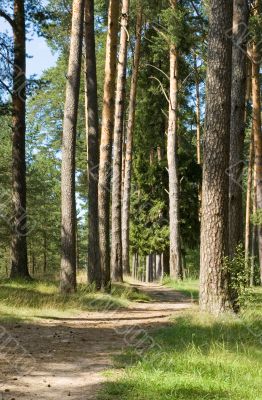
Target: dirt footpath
63, 358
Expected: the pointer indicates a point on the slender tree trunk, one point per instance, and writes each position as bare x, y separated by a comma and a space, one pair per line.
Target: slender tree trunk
254, 232
198, 130
198, 113
106, 142
19, 262
256, 96
116, 249
257, 133
68, 210
147, 269
129, 148
249, 198
237, 126
214, 288
94, 269
166, 266
176, 271
158, 266
45, 253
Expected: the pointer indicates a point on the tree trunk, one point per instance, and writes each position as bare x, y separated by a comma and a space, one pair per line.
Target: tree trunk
158, 266
106, 142
94, 270
176, 271
214, 288
148, 269
129, 148
45, 253
257, 135
19, 262
249, 198
116, 249
166, 266
198, 113
237, 126
68, 210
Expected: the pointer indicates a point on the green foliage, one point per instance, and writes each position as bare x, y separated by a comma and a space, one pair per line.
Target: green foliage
238, 270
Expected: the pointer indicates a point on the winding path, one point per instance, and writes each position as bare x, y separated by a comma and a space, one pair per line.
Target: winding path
69, 355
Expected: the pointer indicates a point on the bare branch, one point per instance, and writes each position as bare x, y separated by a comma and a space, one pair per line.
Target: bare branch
159, 69
162, 88
7, 18
6, 87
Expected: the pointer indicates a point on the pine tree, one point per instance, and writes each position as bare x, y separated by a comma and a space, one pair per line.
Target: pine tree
106, 142
94, 271
68, 226
116, 249
129, 146
237, 134
214, 292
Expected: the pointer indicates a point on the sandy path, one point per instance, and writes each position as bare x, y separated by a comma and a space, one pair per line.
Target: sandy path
69, 355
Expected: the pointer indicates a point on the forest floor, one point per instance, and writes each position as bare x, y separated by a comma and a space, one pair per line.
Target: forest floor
55, 357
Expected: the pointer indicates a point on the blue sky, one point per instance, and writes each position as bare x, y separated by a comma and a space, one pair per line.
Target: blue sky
40, 56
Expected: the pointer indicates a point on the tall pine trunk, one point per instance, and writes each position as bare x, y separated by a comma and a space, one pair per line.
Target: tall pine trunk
68, 210
116, 250
176, 270
129, 147
198, 112
237, 126
94, 270
249, 198
106, 141
214, 290
256, 57
19, 262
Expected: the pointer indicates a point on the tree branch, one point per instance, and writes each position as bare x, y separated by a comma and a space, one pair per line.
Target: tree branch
6, 87
7, 18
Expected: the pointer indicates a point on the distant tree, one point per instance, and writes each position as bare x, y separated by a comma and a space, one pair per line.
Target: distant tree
175, 262
129, 147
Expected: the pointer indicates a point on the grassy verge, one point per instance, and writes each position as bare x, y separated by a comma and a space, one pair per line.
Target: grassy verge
198, 357
28, 300
189, 287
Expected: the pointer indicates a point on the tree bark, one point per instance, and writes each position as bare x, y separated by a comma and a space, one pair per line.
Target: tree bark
198, 113
237, 125
94, 269
249, 198
68, 209
176, 271
106, 142
257, 133
158, 266
214, 288
19, 260
116, 249
129, 148
45, 253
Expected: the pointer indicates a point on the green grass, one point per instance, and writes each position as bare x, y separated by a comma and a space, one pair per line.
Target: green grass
20, 300
189, 287
198, 357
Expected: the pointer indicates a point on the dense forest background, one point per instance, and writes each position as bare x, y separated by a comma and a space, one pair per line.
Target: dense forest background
177, 29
